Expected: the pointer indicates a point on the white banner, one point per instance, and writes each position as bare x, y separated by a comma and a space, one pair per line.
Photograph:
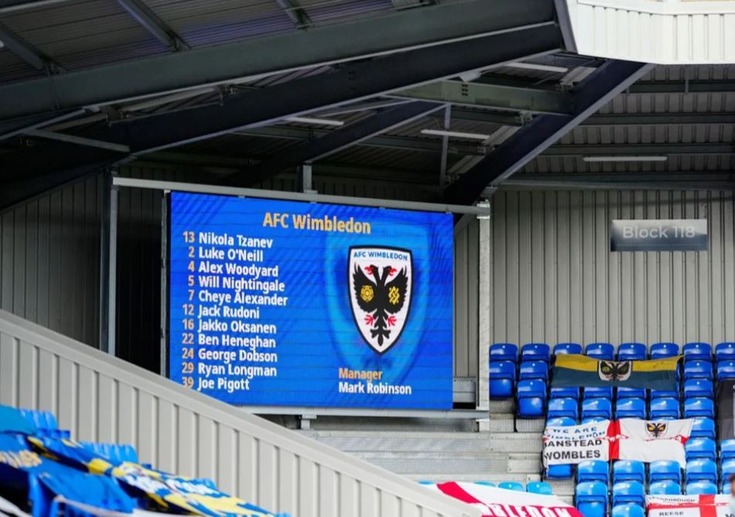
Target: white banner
648, 441
497, 502
576, 443
688, 506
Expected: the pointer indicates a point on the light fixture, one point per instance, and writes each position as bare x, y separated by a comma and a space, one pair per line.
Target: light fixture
316, 121
455, 134
539, 67
604, 159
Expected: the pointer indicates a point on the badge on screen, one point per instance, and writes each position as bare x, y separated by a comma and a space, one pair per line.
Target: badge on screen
380, 287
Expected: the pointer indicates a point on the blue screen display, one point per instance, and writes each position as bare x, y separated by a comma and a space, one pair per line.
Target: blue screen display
289, 303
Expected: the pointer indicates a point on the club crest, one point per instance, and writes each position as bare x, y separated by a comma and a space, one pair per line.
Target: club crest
380, 281
656, 429
614, 370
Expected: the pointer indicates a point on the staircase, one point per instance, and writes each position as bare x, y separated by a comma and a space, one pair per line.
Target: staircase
495, 453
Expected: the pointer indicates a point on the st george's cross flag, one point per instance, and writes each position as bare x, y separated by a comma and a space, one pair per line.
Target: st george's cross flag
647, 441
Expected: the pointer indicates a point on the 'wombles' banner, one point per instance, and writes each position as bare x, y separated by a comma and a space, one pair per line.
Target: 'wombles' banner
624, 439
576, 443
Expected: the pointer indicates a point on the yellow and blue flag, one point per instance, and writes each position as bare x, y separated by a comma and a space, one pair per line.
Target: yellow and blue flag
582, 371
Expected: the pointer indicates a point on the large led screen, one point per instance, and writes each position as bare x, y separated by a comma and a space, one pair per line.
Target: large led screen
289, 303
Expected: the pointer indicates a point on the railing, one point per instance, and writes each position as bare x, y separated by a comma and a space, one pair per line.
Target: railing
101, 398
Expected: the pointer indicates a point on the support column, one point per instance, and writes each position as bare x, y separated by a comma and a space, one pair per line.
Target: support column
484, 310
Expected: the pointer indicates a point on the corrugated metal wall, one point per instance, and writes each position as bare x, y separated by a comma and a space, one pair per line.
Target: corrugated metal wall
101, 398
50, 262
669, 32
554, 278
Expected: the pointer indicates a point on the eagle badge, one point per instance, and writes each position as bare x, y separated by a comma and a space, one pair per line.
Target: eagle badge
380, 283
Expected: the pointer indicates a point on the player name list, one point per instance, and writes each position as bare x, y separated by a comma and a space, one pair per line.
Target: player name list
226, 343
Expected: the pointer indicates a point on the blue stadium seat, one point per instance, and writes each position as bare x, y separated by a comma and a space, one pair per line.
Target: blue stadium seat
597, 392
701, 470
630, 393
631, 492
562, 421
533, 370
697, 351
662, 350
512, 485
703, 427
591, 499
698, 388
600, 351
664, 488
727, 469
539, 487
701, 488
727, 449
726, 487
563, 471
725, 369
593, 420
697, 370
593, 470
629, 470
630, 408
701, 448
426, 482
567, 348
563, 407
564, 392
695, 407
665, 409
531, 398
601, 408
632, 352
628, 510
664, 470
485, 483
504, 352
535, 352
502, 379
668, 394
725, 351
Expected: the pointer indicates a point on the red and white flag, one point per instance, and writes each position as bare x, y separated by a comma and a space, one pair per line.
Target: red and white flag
498, 502
647, 440
688, 505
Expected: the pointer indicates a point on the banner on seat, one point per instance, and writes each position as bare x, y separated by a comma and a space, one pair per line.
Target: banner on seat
582, 371
647, 441
576, 443
624, 439
688, 505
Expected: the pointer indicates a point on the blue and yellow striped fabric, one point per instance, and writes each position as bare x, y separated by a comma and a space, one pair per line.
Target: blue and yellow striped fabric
581, 371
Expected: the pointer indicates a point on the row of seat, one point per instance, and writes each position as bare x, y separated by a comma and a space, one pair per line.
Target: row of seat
531, 402
625, 351
628, 497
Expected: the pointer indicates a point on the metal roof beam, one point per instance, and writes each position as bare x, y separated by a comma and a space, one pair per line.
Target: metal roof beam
352, 83
537, 136
387, 142
682, 87
153, 24
333, 142
653, 119
638, 149
26, 52
219, 64
295, 12
492, 96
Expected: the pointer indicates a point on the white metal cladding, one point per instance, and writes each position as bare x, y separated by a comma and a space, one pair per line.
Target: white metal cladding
101, 398
662, 32
554, 278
